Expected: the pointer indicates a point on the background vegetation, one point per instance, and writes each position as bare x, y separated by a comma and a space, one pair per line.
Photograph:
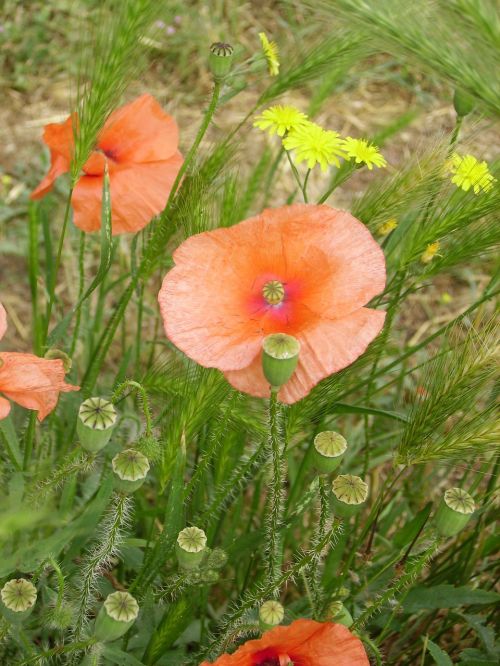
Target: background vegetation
419, 409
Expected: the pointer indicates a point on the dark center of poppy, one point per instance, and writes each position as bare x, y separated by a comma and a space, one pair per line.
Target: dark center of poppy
273, 292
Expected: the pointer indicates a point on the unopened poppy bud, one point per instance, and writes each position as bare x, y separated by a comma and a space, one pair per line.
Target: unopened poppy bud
279, 358
150, 446
339, 614
57, 354
463, 103
131, 468
454, 512
349, 492
221, 60
96, 420
209, 576
271, 613
329, 448
217, 559
18, 597
117, 614
190, 547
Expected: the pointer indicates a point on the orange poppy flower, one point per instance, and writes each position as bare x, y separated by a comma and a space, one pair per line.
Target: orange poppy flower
139, 143
302, 643
304, 270
32, 382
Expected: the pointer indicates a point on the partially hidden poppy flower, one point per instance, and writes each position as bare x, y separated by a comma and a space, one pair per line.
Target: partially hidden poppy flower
303, 270
302, 643
139, 142
31, 381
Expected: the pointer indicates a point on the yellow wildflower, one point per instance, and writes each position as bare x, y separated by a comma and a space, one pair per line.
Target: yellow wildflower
271, 54
315, 145
469, 172
364, 152
385, 228
430, 252
280, 119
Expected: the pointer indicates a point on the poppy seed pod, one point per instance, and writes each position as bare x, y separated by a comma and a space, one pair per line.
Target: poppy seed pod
329, 448
18, 597
280, 355
339, 614
131, 468
271, 613
349, 493
221, 60
117, 614
454, 512
190, 547
96, 420
463, 103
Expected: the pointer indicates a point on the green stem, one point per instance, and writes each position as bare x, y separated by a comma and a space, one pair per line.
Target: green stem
29, 439
52, 287
276, 491
297, 176
81, 286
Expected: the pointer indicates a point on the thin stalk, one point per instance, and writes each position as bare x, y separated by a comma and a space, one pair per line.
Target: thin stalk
81, 286
29, 440
52, 287
297, 176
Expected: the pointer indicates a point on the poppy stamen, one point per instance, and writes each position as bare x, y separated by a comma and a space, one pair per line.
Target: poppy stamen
274, 292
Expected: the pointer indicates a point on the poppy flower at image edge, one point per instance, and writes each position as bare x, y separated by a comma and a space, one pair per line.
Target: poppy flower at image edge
28, 380
304, 270
139, 142
304, 643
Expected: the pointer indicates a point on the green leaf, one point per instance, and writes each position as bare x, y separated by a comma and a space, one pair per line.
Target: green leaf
407, 533
106, 247
27, 558
485, 633
342, 408
174, 621
117, 656
473, 657
447, 596
439, 655
9, 439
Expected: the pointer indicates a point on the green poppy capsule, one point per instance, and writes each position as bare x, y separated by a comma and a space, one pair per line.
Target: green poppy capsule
454, 512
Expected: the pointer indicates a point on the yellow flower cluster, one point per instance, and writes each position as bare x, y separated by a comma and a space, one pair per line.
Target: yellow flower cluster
430, 252
313, 144
469, 172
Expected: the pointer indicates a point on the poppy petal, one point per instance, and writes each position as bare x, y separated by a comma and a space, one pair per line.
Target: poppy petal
140, 132
59, 138
201, 301
317, 235
138, 193
326, 348
33, 382
4, 408
3, 321
305, 642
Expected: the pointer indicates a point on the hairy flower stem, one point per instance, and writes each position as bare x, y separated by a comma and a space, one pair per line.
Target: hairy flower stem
254, 597
99, 558
276, 491
108, 335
